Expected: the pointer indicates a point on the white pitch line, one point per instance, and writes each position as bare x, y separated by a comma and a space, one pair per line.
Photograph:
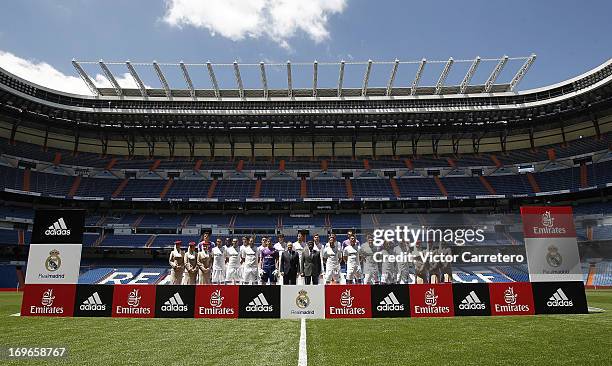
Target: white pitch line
302, 355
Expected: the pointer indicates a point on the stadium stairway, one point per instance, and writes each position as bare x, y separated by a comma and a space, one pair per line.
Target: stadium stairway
57, 159
303, 188
120, 188
155, 165
150, 241
166, 188
394, 187
591, 275
534, 184
240, 166
137, 221
349, 187
26, 180
486, 184
257, 190
324, 165
409, 164
197, 165
440, 186
584, 181
281, 165
111, 164
75, 186
496, 161
211, 189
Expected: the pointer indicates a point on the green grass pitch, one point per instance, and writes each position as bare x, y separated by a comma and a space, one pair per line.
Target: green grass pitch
538, 340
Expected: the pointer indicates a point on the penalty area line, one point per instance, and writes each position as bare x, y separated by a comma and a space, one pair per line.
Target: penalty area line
302, 355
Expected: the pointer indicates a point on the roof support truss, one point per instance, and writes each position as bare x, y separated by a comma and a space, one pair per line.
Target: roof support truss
315, 71
468, 76
417, 77
366, 79
495, 73
238, 80
111, 78
86, 78
213, 79
392, 77
289, 82
444, 75
162, 79
264, 79
522, 71
132, 70
188, 80
340, 79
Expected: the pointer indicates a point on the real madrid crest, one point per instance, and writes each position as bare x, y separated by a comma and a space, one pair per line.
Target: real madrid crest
53, 262
554, 258
302, 300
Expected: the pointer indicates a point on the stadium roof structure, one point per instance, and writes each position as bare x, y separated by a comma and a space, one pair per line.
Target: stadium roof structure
414, 88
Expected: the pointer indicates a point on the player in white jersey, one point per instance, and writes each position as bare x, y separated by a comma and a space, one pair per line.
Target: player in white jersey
403, 267
177, 264
370, 267
232, 268
389, 269
248, 257
331, 256
353, 263
191, 265
218, 267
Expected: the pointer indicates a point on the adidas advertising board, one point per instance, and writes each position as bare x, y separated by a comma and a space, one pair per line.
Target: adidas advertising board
431, 300
48, 300
216, 301
93, 300
302, 302
471, 299
348, 301
174, 301
390, 301
511, 298
550, 244
259, 301
134, 301
58, 226
53, 263
559, 298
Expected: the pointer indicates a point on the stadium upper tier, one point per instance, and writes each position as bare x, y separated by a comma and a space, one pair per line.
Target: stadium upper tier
424, 109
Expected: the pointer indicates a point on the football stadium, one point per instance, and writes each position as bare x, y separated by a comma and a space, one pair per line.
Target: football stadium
375, 212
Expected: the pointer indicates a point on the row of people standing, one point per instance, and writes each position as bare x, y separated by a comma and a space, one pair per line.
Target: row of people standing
308, 262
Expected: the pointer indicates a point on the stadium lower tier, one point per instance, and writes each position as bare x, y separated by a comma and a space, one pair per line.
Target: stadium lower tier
329, 301
407, 185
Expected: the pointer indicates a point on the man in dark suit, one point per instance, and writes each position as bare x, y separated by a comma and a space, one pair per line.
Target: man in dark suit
311, 265
290, 265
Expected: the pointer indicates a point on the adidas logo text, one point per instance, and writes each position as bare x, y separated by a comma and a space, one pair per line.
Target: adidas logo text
58, 228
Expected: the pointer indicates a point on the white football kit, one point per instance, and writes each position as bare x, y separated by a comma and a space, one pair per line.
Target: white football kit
403, 268
353, 268
232, 270
389, 269
331, 256
218, 267
370, 267
249, 267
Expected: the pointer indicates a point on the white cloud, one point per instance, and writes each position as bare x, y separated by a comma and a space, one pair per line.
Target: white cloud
46, 75
278, 20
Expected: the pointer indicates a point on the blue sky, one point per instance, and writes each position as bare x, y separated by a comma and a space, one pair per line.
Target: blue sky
38, 39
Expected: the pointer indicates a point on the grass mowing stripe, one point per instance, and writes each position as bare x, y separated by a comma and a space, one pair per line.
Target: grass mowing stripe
546, 339
95, 341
